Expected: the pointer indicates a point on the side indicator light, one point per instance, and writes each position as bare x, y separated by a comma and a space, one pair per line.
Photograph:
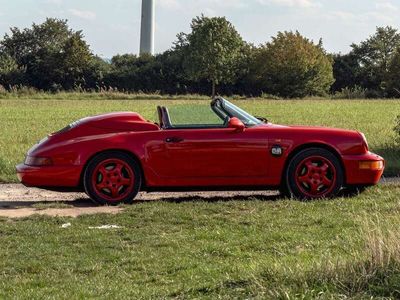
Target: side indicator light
277, 151
371, 165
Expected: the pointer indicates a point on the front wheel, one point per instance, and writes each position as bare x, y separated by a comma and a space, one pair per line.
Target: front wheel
112, 178
314, 173
352, 191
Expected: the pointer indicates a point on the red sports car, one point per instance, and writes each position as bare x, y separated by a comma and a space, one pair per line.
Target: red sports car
114, 156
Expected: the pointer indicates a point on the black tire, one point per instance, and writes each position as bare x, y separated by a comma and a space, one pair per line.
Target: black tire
352, 191
130, 171
311, 164
283, 191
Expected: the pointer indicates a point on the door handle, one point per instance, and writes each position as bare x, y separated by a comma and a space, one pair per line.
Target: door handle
174, 140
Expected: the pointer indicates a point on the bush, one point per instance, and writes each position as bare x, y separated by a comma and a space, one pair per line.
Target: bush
292, 66
356, 92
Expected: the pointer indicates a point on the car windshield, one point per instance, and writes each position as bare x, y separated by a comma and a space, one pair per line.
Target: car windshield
224, 109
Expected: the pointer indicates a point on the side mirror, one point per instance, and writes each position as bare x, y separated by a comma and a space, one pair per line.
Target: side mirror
236, 124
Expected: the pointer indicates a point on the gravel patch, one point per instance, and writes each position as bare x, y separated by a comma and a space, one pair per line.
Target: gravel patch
18, 201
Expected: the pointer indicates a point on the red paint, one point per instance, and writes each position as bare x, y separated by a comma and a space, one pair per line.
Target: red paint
234, 156
236, 124
113, 179
316, 176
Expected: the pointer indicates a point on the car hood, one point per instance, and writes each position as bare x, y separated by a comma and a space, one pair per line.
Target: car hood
320, 128
310, 129
346, 141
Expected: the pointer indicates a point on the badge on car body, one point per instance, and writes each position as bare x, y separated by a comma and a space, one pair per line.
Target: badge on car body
277, 150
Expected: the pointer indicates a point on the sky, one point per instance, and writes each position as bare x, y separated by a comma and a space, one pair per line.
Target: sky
113, 27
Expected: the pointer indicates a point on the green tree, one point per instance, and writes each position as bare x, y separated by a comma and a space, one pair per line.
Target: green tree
53, 55
132, 73
10, 73
374, 56
394, 75
212, 51
96, 73
76, 59
292, 66
346, 71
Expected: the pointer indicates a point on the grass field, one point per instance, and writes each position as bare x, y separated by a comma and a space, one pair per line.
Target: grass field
264, 248
23, 122
245, 247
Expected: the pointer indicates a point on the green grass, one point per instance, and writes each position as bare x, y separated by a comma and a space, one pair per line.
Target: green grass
33, 94
23, 122
243, 248
246, 247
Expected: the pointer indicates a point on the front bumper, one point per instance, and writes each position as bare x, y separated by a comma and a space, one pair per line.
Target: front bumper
356, 175
49, 176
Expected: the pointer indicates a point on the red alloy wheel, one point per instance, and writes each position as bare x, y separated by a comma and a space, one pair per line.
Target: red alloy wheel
316, 176
113, 180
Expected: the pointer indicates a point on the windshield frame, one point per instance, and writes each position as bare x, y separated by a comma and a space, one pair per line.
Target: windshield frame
225, 109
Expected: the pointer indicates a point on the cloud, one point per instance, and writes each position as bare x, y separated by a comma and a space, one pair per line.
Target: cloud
386, 6
291, 3
83, 14
207, 4
352, 18
229, 4
170, 4
58, 2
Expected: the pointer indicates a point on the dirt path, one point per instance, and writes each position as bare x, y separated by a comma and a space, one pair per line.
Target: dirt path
17, 201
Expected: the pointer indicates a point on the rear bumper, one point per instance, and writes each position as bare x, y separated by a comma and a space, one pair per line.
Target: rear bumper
358, 176
49, 176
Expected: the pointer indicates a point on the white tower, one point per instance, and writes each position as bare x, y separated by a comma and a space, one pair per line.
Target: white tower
148, 25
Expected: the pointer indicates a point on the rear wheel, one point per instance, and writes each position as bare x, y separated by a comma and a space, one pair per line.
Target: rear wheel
314, 173
112, 178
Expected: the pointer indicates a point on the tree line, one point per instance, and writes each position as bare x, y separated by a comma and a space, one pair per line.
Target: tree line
212, 58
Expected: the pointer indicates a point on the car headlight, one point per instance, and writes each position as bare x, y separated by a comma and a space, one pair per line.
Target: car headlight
38, 161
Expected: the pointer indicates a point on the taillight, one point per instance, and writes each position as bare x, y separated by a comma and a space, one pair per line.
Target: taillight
38, 161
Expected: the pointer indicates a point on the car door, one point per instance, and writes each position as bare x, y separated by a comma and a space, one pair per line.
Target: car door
215, 153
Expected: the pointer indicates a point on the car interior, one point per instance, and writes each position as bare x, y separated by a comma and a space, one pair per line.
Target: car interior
222, 108
166, 123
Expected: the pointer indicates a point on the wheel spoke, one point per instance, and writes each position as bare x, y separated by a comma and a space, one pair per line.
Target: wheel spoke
304, 179
103, 171
101, 185
324, 168
314, 188
310, 166
125, 182
118, 170
326, 181
115, 191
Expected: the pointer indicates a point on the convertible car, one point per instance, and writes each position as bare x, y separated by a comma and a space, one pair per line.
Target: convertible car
114, 156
